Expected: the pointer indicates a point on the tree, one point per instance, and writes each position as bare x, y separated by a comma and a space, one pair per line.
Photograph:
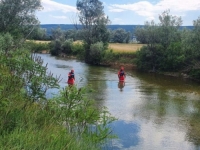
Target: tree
93, 21
96, 53
18, 16
163, 42
58, 38
191, 44
39, 34
29, 68
152, 51
196, 32
140, 34
169, 28
73, 34
120, 36
58, 34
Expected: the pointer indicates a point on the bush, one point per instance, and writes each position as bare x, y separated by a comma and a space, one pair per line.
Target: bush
78, 50
173, 59
55, 47
149, 58
29, 121
67, 46
96, 53
37, 47
195, 73
80, 114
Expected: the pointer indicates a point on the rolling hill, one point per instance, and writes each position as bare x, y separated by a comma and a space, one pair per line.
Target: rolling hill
129, 28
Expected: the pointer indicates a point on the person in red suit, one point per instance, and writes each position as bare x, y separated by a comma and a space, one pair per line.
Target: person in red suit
121, 74
71, 77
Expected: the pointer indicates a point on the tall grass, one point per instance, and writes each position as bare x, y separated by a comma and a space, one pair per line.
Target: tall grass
30, 121
68, 121
63, 123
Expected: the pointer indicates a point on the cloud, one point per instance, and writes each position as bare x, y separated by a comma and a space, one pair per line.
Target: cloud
50, 6
116, 10
151, 10
58, 17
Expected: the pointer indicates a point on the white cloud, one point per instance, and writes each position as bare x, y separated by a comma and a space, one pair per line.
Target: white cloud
151, 10
58, 17
116, 10
112, 9
50, 6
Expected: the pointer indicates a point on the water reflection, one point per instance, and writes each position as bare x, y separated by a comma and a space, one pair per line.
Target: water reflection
121, 85
127, 135
96, 80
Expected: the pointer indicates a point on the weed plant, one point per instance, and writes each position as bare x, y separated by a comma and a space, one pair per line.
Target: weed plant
30, 121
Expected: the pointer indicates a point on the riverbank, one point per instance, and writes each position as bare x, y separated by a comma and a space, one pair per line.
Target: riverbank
117, 55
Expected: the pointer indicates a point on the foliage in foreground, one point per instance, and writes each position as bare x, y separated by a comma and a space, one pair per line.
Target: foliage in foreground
79, 115
68, 121
18, 17
29, 121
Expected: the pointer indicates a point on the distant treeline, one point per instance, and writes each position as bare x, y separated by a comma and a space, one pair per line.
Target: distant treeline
128, 28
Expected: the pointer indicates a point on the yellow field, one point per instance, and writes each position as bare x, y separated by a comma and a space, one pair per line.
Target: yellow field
122, 47
37, 41
116, 47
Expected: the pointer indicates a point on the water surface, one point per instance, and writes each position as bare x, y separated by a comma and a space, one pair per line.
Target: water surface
154, 112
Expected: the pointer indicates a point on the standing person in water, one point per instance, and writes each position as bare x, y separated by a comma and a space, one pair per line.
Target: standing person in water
71, 77
121, 74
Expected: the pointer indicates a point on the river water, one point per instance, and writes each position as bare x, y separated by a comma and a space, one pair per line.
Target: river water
154, 112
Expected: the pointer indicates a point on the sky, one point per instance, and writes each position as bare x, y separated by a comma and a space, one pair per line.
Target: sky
123, 12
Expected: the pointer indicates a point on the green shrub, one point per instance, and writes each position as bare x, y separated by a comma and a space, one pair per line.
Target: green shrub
78, 50
37, 47
195, 73
173, 59
149, 58
55, 47
29, 121
81, 116
96, 53
67, 46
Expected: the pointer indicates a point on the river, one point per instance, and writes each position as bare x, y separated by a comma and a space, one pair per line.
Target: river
154, 112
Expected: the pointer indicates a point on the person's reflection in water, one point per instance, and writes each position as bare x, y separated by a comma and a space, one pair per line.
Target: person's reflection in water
121, 85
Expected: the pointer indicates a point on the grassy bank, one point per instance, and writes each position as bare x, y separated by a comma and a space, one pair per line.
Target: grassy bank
116, 54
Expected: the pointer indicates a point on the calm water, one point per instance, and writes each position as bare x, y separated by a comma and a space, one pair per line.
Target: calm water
154, 112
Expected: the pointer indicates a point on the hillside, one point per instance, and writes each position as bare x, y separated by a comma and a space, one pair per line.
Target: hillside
129, 28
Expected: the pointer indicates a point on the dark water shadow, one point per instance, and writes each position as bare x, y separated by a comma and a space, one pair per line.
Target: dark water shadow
121, 85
